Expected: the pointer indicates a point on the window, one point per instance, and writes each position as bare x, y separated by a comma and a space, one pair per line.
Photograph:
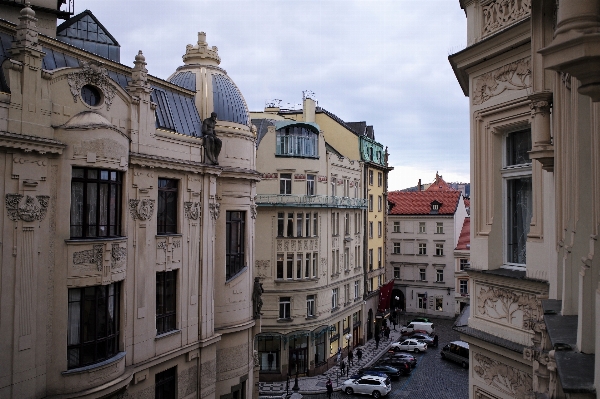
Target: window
439, 228
280, 223
463, 286
439, 303
357, 219
370, 229
370, 202
396, 227
347, 224
307, 224
310, 184
165, 302
290, 266
421, 227
357, 254
93, 324
439, 275
315, 225
379, 203
310, 306
333, 186
396, 248
439, 249
297, 141
370, 177
299, 262
370, 259
285, 183
346, 188
235, 243
314, 264
284, 307
164, 384
307, 266
299, 223
356, 289
380, 280
356, 189
396, 272
335, 223
346, 293
422, 301
334, 298
422, 275
379, 179
290, 225
422, 248
379, 229
347, 259
280, 266
379, 256
518, 206
371, 283
95, 203
166, 214
463, 263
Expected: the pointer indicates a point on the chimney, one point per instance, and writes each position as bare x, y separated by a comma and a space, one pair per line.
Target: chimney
419, 185
308, 108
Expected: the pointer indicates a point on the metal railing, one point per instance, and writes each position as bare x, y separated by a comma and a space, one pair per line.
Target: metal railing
310, 201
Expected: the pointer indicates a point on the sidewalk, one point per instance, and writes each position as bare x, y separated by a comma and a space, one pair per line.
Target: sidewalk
316, 384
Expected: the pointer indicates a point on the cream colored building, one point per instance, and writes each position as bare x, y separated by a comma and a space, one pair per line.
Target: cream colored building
530, 71
127, 258
309, 253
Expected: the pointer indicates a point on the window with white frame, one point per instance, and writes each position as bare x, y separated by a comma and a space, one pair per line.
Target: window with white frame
290, 225
517, 178
307, 221
315, 225
334, 298
396, 227
422, 248
310, 306
439, 249
314, 264
421, 227
463, 263
285, 307
422, 275
347, 224
439, 275
307, 266
379, 229
396, 248
356, 189
347, 259
439, 228
380, 280
356, 289
280, 223
463, 286
421, 301
396, 272
333, 186
299, 262
296, 141
285, 183
299, 223
310, 184
371, 283
280, 261
439, 303
357, 220
346, 188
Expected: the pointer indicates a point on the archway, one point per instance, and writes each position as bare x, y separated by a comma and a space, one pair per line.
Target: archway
398, 302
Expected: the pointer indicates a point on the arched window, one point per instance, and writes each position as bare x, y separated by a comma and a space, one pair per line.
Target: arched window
296, 141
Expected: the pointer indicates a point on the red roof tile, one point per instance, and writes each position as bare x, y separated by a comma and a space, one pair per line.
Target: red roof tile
419, 202
467, 203
464, 240
439, 185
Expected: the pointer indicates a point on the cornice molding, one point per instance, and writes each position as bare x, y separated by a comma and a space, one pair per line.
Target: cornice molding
29, 143
155, 161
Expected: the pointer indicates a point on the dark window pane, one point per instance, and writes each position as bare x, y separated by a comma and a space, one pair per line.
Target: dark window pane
235, 242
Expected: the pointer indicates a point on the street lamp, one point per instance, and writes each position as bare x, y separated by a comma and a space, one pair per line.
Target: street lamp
348, 338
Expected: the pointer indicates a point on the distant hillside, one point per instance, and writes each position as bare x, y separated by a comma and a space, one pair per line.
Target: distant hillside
454, 185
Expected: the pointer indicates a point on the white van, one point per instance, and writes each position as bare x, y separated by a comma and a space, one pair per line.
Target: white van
457, 351
417, 325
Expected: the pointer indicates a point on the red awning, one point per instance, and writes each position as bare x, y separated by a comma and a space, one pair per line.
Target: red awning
385, 295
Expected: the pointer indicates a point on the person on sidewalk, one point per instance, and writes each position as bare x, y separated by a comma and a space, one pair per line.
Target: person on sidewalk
339, 355
387, 332
435, 341
350, 358
343, 367
377, 341
329, 387
359, 354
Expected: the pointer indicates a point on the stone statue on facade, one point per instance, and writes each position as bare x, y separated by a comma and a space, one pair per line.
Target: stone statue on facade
257, 301
212, 144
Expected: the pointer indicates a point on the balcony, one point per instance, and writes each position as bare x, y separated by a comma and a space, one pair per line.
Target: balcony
316, 201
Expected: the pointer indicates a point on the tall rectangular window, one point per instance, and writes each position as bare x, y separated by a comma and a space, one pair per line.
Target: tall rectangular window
280, 223
439, 227
284, 307
396, 248
307, 221
347, 293
379, 256
290, 266
356, 289
333, 186
370, 259
421, 301
347, 224
519, 195
314, 264
290, 225
310, 185
379, 229
235, 242
310, 306
370, 177
422, 275
463, 286
439, 275
165, 384
298, 266
315, 225
370, 229
96, 203
280, 261
285, 183
346, 188
396, 272
307, 266
396, 227
334, 298
379, 203
463, 263
379, 179
166, 213
93, 324
299, 223
421, 227
370, 202
357, 220
422, 248
347, 259
439, 249
166, 301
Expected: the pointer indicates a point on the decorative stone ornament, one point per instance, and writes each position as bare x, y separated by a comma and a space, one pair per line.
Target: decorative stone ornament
27, 33
191, 210
214, 209
30, 210
253, 211
90, 256
95, 75
513, 76
141, 209
501, 13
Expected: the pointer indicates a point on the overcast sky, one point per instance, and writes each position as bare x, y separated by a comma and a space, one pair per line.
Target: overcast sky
383, 62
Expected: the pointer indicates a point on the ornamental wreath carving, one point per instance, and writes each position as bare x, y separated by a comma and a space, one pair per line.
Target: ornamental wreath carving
191, 210
501, 13
91, 256
253, 210
95, 75
141, 209
514, 382
513, 76
30, 210
516, 308
118, 255
215, 210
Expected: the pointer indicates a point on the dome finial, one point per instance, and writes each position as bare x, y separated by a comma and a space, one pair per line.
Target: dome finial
201, 53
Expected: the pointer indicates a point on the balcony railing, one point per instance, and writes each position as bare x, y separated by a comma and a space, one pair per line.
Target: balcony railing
310, 201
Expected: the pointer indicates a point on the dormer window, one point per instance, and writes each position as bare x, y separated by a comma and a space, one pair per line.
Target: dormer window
297, 141
435, 207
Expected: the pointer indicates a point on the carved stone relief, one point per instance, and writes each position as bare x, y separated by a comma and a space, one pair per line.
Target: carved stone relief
92, 74
103, 148
513, 76
253, 211
514, 382
168, 252
501, 13
141, 209
90, 256
519, 309
30, 210
191, 210
279, 245
262, 267
118, 256
215, 210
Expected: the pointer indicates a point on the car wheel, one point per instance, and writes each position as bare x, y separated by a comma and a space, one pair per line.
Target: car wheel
376, 394
416, 350
464, 365
349, 391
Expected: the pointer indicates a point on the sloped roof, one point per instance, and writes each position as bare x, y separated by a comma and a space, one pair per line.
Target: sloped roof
419, 202
439, 185
464, 240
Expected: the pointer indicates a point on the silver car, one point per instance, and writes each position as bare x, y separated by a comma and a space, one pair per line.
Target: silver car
368, 385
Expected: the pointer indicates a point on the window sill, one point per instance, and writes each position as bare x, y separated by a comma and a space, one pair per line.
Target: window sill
298, 280
166, 334
93, 367
439, 282
310, 317
438, 256
88, 239
288, 320
168, 235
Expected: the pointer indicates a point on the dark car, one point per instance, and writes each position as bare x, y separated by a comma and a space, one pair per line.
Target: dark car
409, 334
403, 365
404, 357
425, 338
390, 371
421, 320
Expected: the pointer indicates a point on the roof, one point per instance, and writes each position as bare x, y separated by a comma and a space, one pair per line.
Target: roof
464, 240
419, 202
439, 185
312, 126
262, 126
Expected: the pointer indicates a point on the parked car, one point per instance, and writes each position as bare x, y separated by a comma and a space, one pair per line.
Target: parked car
410, 345
457, 351
408, 358
368, 385
403, 365
424, 338
421, 320
361, 373
414, 325
390, 371
410, 333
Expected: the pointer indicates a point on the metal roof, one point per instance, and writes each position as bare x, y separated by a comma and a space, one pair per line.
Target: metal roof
312, 126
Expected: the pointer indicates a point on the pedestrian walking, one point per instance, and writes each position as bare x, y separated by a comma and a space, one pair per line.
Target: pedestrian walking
387, 332
377, 341
435, 341
359, 354
329, 387
350, 358
342, 367
339, 355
